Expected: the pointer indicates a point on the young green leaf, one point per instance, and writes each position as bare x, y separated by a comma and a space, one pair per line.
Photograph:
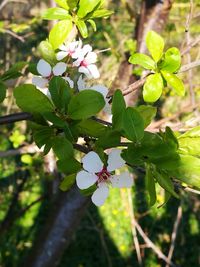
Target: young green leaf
30, 99
14, 71
101, 13
143, 60
59, 32
172, 60
85, 104
72, 4
67, 182
60, 93
93, 24
133, 124
155, 45
153, 88
47, 52
147, 113
173, 81
2, 91
150, 186
56, 13
86, 6
62, 3
118, 107
82, 27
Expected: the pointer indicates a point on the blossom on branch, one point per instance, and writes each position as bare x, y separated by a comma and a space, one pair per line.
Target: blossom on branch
95, 172
72, 49
47, 71
85, 62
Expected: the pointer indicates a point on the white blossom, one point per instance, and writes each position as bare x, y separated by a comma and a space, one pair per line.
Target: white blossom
102, 89
85, 62
96, 173
72, 49
47, 71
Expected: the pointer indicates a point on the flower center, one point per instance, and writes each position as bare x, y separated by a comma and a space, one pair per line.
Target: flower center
84, 63
103, 175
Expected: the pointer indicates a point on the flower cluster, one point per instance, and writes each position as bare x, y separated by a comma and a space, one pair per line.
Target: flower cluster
95, 172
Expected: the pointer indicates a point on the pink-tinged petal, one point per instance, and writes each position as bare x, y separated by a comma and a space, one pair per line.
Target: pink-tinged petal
86, 49
93, 71
44, 68
91, 58
59, 68
39, 81
85, 71
73, 45
100, 194
70, 82
122, 181
115, 160
92, 162
84, 179
101, 89
77, 54
62, 54
81, 83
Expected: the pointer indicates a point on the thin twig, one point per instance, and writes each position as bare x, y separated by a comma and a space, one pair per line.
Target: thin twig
174, 233
20, 38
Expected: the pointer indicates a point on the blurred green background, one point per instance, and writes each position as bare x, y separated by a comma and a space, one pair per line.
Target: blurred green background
27, 184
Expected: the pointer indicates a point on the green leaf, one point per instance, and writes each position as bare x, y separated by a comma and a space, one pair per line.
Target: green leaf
47, 52
85, 104
118, 107
189, 142
143, 60
42, 135
72, 4
60, 93
150, 186
67, 182
57, 121
59, 32
109, 139
86, 6
56, 13
155, 45
172, 60
188, 170
153, 87
166, 183
91, 128
133, 124
69, 165
63, 148
93, 24
147, 113
82, 27
14, 71
62, 3
102, 13
30, 99
2, 91
173, 81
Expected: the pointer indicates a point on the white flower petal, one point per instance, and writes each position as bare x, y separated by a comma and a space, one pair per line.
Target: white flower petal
62, 54
77, 62
84, 179
91, 58
70, 81
115, 160
92, 162
59, 68
85, 71
81, 83
39, 81
64, 47
122, 181
86, 49
100, 194
94, 71
101, 89
44, 68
